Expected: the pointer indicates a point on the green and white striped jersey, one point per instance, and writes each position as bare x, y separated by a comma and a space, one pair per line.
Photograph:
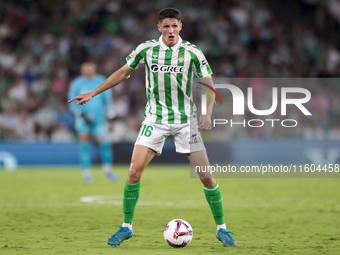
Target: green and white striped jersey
169, 78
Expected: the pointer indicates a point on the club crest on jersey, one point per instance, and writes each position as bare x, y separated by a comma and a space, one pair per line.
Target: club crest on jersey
167, 69
180, 59
154, 56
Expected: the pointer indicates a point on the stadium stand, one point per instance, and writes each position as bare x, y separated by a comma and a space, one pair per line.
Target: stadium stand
43, 43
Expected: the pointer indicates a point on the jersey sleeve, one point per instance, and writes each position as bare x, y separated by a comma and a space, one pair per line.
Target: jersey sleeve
137, 57
201, 65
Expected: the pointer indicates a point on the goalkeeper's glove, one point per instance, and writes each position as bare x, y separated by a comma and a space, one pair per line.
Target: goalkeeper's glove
111, 115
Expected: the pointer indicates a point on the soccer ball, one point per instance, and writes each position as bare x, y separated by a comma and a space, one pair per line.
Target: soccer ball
178, 233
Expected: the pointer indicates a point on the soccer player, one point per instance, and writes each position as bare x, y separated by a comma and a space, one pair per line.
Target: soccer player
91, 119
170, 63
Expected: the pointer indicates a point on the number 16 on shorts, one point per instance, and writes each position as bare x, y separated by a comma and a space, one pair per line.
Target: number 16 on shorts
146, 131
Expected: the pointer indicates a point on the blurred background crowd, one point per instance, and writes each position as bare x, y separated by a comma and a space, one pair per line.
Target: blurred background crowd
43, 43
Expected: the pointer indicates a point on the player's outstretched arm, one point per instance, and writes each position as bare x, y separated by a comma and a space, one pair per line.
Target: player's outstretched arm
205, 120
115, 78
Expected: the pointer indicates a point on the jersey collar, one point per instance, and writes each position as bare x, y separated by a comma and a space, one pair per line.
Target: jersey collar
175, 47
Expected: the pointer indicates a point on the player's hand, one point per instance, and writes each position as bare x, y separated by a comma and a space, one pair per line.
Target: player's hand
205, 123
82, 98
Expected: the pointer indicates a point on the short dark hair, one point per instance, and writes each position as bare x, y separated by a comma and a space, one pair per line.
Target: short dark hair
171, 13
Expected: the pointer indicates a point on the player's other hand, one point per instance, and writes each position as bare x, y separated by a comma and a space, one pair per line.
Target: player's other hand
82, 98
205, 123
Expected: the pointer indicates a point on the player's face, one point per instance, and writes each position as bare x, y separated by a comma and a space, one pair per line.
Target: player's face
170, 28
88, 70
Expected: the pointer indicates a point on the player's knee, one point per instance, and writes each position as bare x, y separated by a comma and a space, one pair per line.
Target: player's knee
208, 182
134, 175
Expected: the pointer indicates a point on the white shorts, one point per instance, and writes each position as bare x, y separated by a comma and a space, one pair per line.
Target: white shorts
186, 136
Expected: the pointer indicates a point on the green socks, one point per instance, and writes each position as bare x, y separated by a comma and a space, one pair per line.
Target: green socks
215, 201
213, 196
131, 195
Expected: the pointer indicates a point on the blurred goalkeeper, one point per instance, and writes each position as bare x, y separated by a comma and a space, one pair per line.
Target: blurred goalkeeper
91, 119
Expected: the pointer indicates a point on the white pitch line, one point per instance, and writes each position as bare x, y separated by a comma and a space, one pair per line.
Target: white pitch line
117, 200
112, 200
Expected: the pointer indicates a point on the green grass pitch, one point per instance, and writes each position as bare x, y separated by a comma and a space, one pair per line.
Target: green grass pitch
41, 213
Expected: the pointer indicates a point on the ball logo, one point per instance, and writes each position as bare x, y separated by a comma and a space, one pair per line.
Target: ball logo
167, 69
